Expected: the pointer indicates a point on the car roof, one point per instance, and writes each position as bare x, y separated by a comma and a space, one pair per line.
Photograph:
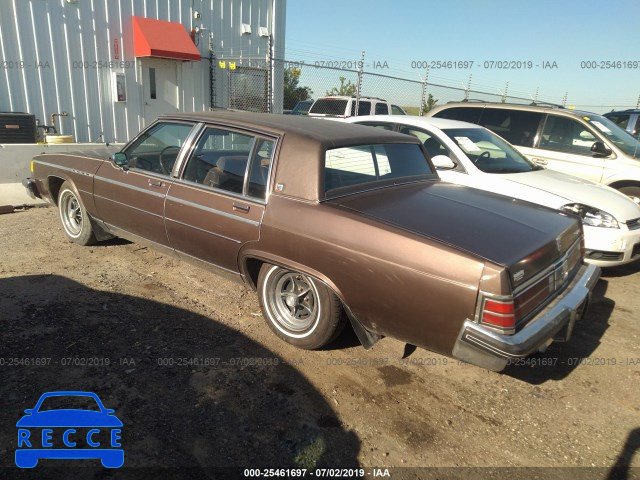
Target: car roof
628, 110
329, 134
414, 120
517, 106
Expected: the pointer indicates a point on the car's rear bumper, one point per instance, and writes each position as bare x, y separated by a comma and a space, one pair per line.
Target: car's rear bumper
486, 348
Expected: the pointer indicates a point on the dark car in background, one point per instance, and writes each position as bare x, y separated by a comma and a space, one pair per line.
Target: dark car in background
627, 119
330, 221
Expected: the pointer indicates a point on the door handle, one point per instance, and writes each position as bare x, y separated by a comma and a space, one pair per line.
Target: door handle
241, 207
155, 183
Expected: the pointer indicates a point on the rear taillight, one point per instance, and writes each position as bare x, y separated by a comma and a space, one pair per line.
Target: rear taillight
500, 314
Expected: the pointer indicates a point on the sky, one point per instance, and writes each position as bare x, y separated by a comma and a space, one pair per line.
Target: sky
562, 35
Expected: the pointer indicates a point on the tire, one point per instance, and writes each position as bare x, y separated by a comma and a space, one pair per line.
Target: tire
633, 192
308, 319
75, 221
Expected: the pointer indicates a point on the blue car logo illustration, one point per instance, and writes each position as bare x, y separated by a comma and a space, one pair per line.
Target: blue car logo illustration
57, 428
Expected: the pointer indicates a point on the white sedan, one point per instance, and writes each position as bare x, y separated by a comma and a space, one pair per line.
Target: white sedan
471, 155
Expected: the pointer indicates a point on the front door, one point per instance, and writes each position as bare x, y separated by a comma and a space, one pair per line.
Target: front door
131, 198
565, 145
160, 85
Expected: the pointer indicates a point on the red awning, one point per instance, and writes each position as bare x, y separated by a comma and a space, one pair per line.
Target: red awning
159, 38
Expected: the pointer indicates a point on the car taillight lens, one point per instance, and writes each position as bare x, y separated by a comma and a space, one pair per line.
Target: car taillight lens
499, 314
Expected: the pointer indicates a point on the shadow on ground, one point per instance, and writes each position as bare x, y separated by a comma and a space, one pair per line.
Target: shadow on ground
183, 415
560, 359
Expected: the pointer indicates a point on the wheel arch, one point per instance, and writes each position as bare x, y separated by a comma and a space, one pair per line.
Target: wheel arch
251, 263
54, 183
618, 184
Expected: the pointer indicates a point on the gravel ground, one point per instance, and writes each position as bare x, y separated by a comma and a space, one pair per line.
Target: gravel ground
200, 382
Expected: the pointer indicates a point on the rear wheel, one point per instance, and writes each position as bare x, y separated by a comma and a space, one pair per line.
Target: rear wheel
298, 308
75, 221
633, 192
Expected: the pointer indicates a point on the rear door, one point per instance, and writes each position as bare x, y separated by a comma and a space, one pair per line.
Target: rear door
131, 198
217, 204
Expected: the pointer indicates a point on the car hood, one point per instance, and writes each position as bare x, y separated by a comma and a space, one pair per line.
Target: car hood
69, 418
578, 190
506, 231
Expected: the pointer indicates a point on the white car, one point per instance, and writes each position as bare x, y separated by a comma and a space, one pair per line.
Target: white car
467, 154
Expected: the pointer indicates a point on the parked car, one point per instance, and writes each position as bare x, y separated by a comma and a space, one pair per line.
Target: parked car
579, 143
325, 219
345, 106
84, 417
468, 154
627, 119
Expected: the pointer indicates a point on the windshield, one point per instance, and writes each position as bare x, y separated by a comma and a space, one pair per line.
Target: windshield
368, 164
488, 152
616, 135
329, 106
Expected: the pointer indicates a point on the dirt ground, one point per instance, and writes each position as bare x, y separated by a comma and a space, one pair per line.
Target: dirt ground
200, 382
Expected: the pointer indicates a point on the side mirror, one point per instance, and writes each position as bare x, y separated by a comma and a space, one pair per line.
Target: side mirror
120, 159
600, 149
109, 411
442, 162
29, 411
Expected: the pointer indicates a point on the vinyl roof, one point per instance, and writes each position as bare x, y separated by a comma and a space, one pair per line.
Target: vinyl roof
329, 133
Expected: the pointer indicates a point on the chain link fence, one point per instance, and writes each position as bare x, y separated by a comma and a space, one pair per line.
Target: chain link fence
247, 84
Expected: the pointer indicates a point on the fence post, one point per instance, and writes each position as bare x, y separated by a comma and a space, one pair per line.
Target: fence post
423, 98
359, 85
270, 76
467, 88
638, 102
504, 94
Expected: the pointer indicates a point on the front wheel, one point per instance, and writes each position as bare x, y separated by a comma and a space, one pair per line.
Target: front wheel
632, 192
75, 221
298, 308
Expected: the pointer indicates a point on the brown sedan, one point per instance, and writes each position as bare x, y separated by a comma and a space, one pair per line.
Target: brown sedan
330, 222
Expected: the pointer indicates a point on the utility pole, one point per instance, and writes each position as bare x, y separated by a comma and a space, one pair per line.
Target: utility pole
467, 88
504, 94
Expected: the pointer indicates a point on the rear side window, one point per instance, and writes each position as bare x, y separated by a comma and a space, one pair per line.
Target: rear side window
364, 108
516, 127
366, 164
396, 110
464, 114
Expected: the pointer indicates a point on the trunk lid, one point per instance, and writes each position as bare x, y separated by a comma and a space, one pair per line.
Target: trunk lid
519, 235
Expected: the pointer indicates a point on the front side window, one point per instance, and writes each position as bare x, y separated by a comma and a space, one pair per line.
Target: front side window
156, 150
431, 143
622, 139
366, 165
564, 134
488, 152
396, 110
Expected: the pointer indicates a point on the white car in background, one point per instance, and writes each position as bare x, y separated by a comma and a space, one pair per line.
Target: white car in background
467, 154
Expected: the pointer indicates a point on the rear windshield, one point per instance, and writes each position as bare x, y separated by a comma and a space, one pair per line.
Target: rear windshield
370, 165
329, 106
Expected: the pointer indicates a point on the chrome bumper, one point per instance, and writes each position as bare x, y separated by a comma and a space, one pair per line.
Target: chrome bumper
486, 348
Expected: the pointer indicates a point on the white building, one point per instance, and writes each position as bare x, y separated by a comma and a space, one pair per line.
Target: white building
114, 65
